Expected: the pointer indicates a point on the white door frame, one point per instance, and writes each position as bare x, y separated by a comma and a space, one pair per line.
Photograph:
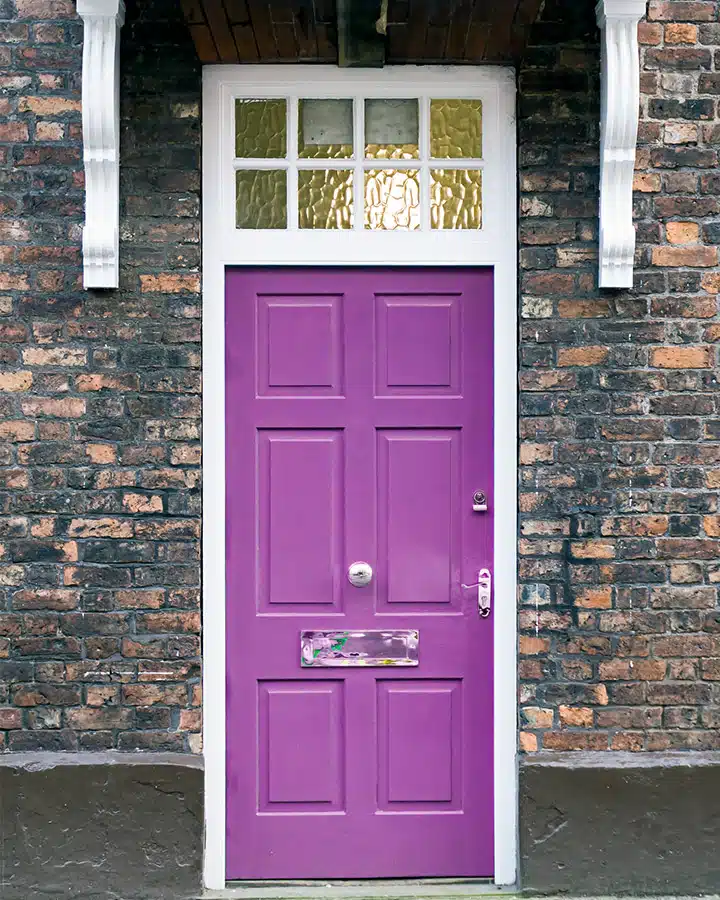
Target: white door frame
494, 245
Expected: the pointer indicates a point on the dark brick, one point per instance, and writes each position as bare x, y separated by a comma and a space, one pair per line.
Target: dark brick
647, 457
67, 534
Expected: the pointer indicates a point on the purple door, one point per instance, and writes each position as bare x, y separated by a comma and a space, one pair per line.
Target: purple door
359, 426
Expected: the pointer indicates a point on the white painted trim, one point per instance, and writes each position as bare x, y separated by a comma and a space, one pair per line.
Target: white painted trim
102, 21
495, 245
618, 21
505, 431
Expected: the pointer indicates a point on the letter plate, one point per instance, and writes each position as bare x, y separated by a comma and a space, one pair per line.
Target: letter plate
323, 649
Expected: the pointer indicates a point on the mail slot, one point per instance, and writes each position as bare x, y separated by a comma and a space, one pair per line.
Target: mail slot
328, 649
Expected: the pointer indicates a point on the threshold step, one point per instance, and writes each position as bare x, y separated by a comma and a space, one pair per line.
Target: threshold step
376, 889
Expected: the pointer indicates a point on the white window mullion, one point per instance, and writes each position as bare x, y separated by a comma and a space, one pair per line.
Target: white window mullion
424, 146
292, 170
359, 177
264, 163
317, 162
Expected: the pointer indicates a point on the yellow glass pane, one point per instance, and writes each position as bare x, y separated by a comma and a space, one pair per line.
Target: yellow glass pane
261, 198
260, 129
391, 129
456, 129
392, 199
325, 129
325, 198
455, 198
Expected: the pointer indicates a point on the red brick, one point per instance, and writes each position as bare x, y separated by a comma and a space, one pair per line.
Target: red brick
575, 740
594, 598
632, 670
576, 717
152, 598
140, 503
582, 356
681, 10
13, 131
48, 106
67, 407
104, 527
170, 284
680, 357
46, 598
56, 356
10, 718
681, 34
685, 256
190, 720
95, 719
152, 694
102, 695
45, 9
169, 622
650, 33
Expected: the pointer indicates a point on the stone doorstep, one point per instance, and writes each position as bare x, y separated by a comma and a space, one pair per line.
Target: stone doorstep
447, 889
418, 889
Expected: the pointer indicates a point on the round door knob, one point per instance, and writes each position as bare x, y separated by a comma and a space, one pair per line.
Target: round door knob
360, 574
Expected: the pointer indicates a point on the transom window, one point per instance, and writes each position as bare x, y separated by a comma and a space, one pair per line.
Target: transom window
358, 163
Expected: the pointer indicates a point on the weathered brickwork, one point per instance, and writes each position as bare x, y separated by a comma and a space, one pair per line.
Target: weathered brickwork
99, 397
620, 399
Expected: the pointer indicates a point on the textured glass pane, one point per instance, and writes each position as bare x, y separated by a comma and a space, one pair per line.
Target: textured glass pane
456, 129
325, 129
325, 198
392, 199
391, 129
260, 129
261, 198
455, 198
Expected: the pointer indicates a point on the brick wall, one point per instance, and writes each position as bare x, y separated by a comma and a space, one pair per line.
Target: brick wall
100, 402
99, 397
620, 401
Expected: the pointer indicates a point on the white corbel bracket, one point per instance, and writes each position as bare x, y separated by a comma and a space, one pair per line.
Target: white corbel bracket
618, 21
102, 20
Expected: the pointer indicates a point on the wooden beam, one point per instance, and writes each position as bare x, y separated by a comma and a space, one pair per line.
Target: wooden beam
361, 33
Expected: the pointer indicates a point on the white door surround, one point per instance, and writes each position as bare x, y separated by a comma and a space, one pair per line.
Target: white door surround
494, 245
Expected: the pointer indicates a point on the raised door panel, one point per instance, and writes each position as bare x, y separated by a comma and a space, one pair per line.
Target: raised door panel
418, 519
299, 349
301, 746
417, 345
300, 520
419, 745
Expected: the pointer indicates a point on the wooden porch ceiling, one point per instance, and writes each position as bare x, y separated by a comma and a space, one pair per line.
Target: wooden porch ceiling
417, 31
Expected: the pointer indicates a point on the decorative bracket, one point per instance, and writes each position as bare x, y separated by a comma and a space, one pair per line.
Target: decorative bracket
102, 20
618, 21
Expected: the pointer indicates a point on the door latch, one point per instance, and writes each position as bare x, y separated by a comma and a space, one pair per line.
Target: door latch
484, 586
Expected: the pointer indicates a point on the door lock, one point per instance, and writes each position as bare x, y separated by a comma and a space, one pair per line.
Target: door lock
480, 503
484, 586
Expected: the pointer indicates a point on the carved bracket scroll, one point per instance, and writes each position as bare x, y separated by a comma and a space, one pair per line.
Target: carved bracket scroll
102, 20
618, 21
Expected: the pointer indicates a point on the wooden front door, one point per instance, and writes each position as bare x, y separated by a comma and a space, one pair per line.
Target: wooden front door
359, 427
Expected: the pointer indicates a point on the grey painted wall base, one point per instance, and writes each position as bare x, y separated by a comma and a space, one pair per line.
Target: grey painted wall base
620, 823
100, 826
110, 826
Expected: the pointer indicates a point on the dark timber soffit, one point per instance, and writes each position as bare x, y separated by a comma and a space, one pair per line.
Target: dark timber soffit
361, 30
350, 32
